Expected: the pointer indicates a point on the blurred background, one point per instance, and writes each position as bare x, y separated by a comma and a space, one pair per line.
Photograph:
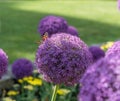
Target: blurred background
97, 21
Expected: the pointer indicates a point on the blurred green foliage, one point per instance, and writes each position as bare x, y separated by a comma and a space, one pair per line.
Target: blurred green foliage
96, 20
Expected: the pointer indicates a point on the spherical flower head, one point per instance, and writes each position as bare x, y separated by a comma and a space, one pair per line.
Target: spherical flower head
52, 25
63, 58
119, 4
115, 49
97, 52
72, 30
22, 67
101, 82
3, 62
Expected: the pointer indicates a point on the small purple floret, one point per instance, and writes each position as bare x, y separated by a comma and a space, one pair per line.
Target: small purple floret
22, 67
3, 62
114, 50
97, 52
72, 30
52, 25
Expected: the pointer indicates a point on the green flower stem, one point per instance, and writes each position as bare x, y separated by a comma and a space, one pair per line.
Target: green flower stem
3, 93
55, 93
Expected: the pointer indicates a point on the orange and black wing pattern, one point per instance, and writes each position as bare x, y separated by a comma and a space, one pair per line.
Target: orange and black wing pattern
44, 37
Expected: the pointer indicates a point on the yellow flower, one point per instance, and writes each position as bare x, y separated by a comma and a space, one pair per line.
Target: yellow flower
106, 45
12, 93
63, 91
25, 78
35, 82
40, 76
109, 44
35, 71
35, 99
7, 99
30, 77
20, 81
103, 47
29, 87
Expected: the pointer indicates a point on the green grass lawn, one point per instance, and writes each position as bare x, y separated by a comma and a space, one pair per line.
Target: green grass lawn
97, 21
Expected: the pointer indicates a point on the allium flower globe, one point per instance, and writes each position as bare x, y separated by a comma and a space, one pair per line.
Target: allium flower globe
63, 58
22, 67
119, 4
97, 52
3, 62
101, 82
115, 49
72, 30
52, 25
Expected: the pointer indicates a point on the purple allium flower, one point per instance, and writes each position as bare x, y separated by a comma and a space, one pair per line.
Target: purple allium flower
101, 81
72, 30
97, 52
52, 25
63, 58
115, 49
3, 62
22, 67
119, 4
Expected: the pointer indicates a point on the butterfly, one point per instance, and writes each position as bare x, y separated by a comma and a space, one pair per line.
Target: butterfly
44, 37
